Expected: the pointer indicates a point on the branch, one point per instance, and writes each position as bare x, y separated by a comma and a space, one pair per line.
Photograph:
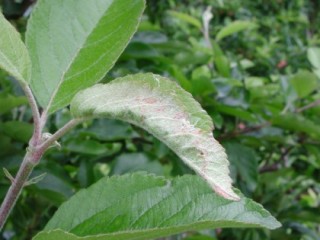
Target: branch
244, 131
32, 156
34, 153
311, 105
275, 166
16, 187
31, 159
206, 18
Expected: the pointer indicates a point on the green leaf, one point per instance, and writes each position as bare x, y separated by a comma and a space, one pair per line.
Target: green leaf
109, 130
304, 83
184, 82
317, 72
221, 61
53, 187
246, 163
314, 57
141, 206
14, 58
186, 18
134, 162
17, 130
223, 66
297, 123
201, 81
74, 43
8, 102
89, 146
234, 27
165, 110
200, 237
140, 50
236, 112
6, 145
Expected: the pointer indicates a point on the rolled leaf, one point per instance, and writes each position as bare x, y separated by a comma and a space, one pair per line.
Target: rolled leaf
165, 110
142, 206
74, 43
14, 57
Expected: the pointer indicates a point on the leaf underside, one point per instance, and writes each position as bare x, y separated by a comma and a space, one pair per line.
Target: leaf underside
14, 58
143, 206
74, 43
165, 110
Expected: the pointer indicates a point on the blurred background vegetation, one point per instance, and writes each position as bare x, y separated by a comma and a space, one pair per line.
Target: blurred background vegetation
254, 67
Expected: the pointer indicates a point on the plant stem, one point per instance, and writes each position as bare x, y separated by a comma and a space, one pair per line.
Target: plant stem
243, 131
206, 18
38, 125
37, 147
62, 131
16, 188
32, 158
27, 164
311, 105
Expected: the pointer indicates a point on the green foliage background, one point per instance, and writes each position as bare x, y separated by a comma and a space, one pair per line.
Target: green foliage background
254, 86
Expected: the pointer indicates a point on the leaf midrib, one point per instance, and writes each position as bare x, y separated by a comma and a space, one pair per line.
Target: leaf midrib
75, 55
168, 196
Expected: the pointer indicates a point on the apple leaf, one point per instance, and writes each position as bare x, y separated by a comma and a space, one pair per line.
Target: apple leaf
165, 110
144, 206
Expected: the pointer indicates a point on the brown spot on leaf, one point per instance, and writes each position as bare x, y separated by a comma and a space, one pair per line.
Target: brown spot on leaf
180, 115
150, 100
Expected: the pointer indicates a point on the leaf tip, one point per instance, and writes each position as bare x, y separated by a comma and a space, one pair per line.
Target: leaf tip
230, 195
